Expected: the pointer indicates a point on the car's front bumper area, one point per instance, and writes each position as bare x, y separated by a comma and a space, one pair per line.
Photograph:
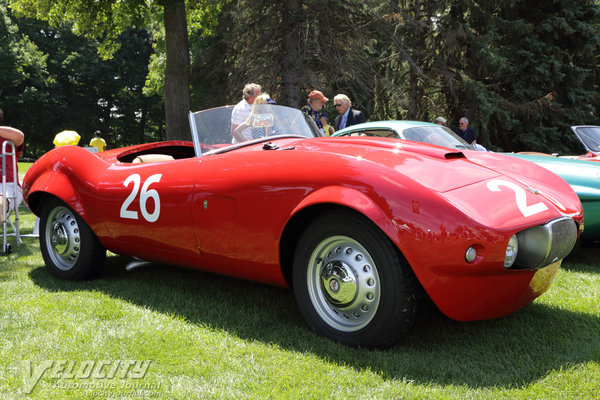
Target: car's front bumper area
542, 245
486, 288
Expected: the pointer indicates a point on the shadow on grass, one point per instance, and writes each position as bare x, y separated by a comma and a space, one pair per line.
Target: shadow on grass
25, 249
506, 352
585, 258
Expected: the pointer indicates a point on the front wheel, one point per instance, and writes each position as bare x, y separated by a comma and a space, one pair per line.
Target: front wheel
352, 284
70, 249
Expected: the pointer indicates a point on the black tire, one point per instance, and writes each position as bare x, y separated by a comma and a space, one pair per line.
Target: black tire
70, 249
7, 249
351, 283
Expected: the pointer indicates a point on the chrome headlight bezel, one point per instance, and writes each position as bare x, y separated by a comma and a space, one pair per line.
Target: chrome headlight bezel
512, 251
542, 245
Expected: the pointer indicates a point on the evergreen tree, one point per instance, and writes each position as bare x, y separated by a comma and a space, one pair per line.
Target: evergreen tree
522, 69
291, 47
410, 64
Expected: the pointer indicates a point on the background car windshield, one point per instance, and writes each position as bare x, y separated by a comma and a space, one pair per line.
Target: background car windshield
590, 136
211, 129
438, 135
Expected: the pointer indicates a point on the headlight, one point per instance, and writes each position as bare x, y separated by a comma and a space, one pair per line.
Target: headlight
511, 251
543, 245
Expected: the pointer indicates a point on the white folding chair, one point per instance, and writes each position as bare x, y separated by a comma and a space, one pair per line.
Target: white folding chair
10, 220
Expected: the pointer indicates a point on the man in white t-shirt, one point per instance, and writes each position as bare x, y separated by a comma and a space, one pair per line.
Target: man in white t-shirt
241, 112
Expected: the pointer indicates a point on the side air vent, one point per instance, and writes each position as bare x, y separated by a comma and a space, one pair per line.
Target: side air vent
452, 156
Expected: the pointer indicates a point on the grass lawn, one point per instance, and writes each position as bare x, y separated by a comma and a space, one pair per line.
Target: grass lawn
169, 333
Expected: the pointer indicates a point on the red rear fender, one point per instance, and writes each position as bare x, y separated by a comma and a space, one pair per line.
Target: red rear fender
57, 185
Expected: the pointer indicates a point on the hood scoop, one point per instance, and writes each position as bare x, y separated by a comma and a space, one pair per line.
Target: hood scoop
431, 150
454, 155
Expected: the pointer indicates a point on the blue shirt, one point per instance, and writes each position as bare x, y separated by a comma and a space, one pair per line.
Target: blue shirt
315, 115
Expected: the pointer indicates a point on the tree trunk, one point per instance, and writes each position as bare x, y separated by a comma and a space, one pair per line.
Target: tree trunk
177, 76
291, 63
416, 42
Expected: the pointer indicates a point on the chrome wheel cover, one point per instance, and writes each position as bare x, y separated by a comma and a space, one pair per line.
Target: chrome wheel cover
343, 283
62, 238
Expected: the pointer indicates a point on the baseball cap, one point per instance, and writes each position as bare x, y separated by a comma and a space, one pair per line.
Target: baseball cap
317, 95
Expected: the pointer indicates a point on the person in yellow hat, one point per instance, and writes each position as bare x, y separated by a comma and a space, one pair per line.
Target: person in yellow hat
98, 142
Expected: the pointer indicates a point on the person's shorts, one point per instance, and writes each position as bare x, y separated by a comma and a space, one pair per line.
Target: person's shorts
10, 192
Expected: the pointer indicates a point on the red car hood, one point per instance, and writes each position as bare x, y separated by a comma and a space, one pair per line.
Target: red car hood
494, 189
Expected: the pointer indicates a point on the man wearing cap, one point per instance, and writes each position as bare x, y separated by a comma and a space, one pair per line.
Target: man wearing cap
440, 121
313, 108
98, 142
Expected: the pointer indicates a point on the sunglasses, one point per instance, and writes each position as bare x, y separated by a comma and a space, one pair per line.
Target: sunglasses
338, 104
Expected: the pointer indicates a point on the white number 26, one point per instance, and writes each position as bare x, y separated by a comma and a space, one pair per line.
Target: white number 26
520, 197
145, 194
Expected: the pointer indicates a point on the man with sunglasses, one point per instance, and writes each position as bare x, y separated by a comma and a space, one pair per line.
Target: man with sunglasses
347, 116
468, 134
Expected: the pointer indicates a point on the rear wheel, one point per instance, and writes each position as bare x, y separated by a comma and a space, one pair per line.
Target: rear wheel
70, 249
351, 284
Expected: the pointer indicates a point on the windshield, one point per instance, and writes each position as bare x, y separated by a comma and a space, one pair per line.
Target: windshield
215, 131
438, 135
589, 136
430, 134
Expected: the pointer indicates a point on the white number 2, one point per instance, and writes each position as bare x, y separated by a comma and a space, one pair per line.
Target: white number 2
520, 196
145, 194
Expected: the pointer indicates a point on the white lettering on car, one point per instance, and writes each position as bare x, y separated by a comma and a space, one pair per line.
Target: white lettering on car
125, 213
520, 196
145, 194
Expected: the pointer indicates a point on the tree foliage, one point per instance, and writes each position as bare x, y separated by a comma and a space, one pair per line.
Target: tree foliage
24, 80
80, 90
108, 19
290, 47
524, 69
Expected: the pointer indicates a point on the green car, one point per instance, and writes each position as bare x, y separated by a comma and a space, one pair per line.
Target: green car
583, 176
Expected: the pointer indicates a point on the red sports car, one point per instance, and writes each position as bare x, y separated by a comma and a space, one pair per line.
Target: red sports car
358, 228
